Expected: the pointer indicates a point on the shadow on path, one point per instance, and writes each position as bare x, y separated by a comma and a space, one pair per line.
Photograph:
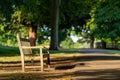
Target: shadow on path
89, 65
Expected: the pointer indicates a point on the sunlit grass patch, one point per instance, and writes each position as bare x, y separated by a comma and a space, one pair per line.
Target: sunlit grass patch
9, 59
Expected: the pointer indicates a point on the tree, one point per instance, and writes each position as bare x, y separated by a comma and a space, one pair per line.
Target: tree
107, 17
54, 24
67, 43
31, 14
25, 13
74, 14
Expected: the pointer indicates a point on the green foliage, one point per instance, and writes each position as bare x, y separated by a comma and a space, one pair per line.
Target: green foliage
8, 38
43, 35
107, 17
36, 11
98, 18
67, 43
74, 13
17, 15
104, 23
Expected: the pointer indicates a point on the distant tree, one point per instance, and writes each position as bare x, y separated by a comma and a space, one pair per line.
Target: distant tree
67, 43
74, 14
107, 18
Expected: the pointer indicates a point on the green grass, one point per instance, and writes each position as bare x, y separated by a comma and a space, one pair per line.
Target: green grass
112, 51
9, 51
14, 51
11, 54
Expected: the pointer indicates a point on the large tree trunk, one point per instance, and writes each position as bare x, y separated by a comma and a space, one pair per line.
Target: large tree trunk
92, 42
32, 34
54, 24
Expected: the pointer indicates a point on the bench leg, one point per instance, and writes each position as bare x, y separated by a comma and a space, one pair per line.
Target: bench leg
41, 60
23, 63
48, 60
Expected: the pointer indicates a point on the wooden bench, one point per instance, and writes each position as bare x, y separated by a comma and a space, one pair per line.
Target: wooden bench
26, 49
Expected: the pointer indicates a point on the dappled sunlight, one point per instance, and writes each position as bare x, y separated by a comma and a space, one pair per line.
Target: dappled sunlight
9, 59
78, 66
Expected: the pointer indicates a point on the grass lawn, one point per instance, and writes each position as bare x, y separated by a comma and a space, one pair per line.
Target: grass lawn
112, 51
9, 51
11, 54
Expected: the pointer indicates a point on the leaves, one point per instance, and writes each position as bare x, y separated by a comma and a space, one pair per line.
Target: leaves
107, 17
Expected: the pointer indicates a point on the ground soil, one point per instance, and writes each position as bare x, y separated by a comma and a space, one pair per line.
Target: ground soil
89, 64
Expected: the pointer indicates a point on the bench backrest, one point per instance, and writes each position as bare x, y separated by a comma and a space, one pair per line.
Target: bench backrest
23, 42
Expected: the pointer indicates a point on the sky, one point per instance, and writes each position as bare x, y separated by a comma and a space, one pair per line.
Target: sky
75, 38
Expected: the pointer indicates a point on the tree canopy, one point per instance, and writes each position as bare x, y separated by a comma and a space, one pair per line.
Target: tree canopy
98, 19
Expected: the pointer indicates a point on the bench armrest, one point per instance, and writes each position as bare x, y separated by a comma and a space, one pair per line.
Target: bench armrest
33, 47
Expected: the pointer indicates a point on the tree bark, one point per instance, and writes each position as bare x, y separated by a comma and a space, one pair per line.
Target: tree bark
54, 24
92, 42
32, 34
